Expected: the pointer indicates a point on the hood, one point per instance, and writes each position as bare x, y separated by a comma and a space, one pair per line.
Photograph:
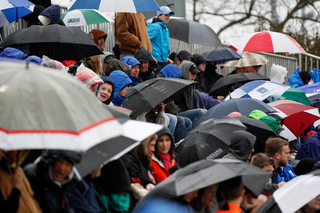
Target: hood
143, 55
198, 59
241, 144
155, 20
163, 131
130, 60
116, 65
34, 59
256, 114
10, 52
105, 54
48, 157
106, 79
53, 13
87, 76
272, 122
184, 54
171, 71
184, 68
97, 34
120, 80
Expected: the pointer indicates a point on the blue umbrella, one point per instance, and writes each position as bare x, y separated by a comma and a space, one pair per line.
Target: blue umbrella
11, 11
221, 56
312, 92
129, 6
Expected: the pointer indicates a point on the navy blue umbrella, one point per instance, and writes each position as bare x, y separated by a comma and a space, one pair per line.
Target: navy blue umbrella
221, 56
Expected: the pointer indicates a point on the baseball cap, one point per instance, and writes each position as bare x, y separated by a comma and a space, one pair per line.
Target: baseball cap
193, 69
165, 10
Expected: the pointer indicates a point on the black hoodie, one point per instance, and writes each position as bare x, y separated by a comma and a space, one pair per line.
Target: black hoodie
144, 55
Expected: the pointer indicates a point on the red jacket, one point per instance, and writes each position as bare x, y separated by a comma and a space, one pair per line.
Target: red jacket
158, 168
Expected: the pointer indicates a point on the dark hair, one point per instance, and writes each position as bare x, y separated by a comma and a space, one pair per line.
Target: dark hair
232, 188
305, 77
274, 145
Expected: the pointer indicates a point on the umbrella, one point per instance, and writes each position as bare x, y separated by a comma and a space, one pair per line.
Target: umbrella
267, 91
222, 55
193, 33
65, 43
128, 6
84, 17
11, 11
229, 83
297, 117
243, 105
248, 60
41, 109
267, 42
312, 92
205, 173
209, 140
150, 93
293, 195
294, 94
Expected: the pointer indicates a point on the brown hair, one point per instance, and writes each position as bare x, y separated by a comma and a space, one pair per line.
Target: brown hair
142, 149
94, 64
232, 188
261, 160
274, 145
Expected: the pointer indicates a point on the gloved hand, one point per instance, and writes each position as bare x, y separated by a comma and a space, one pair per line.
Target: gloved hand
117, 51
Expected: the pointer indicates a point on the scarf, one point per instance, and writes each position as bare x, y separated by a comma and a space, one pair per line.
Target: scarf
166, 160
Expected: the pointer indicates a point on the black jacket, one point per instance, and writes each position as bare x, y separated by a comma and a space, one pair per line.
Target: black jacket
144, 55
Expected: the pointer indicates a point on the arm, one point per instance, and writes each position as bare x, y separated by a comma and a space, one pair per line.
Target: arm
123, 24
152, 31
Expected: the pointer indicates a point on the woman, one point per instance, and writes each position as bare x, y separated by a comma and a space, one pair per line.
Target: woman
162, 162
135, 69
137, 162
105, 90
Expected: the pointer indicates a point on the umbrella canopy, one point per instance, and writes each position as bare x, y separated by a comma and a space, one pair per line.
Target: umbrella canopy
272, 42
126, 6
248, 60
84, 17
65, 43
222, 55
150, 93
293, 195
229, 83
243, 105
267, 91
312, 92
41, 109
297, 117
11, 11
295, 94
193, 33
209, 140
205, 173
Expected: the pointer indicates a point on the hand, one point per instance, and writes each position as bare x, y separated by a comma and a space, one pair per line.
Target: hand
16, 180
220, 97
155, 60
169, 61
281, 184
160, 107
149, 187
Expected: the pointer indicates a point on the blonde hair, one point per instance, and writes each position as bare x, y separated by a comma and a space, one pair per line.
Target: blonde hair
94, 63
142, 149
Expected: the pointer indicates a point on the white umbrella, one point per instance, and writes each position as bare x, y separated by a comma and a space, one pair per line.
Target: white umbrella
84, 17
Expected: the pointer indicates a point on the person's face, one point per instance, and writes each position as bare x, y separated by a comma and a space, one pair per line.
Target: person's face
144, 66
105, 92
12, 156
101, 42
268, 168
284, 156
123, 92
314, 204
134, 71
202, 66
61, 169
165, 18
151, 146
240, 70
192, 76
252, 69
190, 196
178, 62
212, 63
96, 173
93, 88
209, 195
164, 144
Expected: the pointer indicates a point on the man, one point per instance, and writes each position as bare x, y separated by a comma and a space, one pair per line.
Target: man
159, 37
52, 177
145, 59
131, 33
201, 63
277, 148
254, 69
99, 38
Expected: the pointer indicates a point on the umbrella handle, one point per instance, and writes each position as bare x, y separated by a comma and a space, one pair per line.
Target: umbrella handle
229, 94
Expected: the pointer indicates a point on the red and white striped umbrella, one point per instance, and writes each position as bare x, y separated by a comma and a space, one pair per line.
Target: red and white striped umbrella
297, 117
267, 42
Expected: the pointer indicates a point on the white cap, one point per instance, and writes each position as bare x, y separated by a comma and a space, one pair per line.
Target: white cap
44, 20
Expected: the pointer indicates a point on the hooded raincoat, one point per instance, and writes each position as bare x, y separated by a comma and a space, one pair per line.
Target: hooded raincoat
120, 80
131, 61
106, 79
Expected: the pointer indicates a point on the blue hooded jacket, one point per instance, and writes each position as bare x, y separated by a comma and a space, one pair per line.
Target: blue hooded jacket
10, 52
171, 71
53, 13
160, 41
120, 80
131, 61
310, 148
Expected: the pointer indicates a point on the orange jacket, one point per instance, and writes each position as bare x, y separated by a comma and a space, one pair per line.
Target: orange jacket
232, 209
158, 168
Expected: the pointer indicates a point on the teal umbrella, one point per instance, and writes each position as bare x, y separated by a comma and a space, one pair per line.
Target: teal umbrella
84, 17
294, 94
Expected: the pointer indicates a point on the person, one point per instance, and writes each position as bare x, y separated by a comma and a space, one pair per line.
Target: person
204, 199
50, 15
52, 177
311, 207
94, 64
254, 69
134, 71
106, 58
211, 75
146, 61
162, 161
88, 77
184, 55
99, 38
114, 65
137, 162
155, 115
238, 70
310, 147
121, 86
201, 63
159, 37
277, 148
274, 123
305, 77
131, 33
105, 91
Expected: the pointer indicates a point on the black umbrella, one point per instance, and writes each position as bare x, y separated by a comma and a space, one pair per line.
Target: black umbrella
205, 173
65, 43
222, 55
209, 140
150, 93
193, 33
231, 82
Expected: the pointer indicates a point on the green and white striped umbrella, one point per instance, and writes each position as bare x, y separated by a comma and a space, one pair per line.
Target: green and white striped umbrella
84, 17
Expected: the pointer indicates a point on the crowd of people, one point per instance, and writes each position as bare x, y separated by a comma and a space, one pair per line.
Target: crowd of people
34, 181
